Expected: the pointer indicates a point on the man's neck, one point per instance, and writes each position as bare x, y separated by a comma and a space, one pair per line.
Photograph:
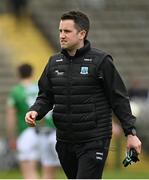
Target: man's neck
72, 52
26, 82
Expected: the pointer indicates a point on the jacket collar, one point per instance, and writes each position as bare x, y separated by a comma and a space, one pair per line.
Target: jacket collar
80, 51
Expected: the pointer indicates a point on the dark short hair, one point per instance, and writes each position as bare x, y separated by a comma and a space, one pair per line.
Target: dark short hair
25, 71
80, 19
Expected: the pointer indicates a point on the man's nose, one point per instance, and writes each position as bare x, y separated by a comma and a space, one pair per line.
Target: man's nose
62, 35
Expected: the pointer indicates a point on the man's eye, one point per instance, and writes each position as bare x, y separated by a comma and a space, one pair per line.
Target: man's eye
67, 31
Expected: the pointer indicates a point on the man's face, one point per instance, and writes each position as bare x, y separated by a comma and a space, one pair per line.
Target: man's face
70, 36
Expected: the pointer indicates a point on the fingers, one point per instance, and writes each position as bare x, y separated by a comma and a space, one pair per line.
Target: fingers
138, 148
134, 142
30, 118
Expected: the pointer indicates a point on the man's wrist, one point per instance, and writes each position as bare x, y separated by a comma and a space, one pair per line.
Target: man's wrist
131, 131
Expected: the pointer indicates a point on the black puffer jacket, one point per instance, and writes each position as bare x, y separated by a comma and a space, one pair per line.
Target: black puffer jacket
83, 89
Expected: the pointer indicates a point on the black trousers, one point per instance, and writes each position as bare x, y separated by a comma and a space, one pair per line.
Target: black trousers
84, 160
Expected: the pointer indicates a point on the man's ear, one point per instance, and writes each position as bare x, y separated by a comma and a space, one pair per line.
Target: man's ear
82, 34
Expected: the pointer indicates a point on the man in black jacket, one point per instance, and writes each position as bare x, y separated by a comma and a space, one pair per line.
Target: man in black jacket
83, 87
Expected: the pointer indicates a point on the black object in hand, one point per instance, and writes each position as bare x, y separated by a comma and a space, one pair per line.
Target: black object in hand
131, 156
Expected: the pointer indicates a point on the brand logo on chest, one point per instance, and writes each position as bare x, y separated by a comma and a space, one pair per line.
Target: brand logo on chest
88, 60
59, 73
84, 70
59, 60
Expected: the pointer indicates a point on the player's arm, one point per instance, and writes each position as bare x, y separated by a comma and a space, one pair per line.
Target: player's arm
11, 123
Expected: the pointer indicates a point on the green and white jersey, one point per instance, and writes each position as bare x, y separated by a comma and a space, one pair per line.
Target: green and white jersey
22, 97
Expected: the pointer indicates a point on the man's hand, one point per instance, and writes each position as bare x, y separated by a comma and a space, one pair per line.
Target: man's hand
133, 142
30, 118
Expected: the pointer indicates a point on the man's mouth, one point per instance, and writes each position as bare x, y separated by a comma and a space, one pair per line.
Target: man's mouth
63, 41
